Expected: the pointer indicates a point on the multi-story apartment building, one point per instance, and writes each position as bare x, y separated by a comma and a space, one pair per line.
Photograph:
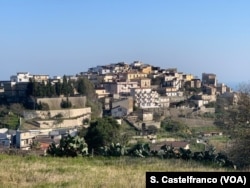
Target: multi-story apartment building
209, 79
136, 64
222, 88
110, 77
41, 78
193, 83
21, 77
187, 77
145, 98
164, 101
122, 88
173, 83
172, 78
143, 82
101, 92
147, 69
132, 75
100, 69
119, 67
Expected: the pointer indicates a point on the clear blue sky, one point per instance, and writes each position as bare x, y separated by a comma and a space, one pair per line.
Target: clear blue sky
58, 37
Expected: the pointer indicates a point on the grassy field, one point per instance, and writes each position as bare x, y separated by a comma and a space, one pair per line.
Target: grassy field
96, 172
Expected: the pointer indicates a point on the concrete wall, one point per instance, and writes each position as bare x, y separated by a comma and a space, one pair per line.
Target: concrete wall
65, 123
209, 110
55, 103
66, 113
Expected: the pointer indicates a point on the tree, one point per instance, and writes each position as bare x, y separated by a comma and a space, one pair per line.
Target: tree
102, 132
152, 129
30, 88
65, 87
58, 88
85, 87
173, 126
66, 104
50, 89
42, 106
234, 120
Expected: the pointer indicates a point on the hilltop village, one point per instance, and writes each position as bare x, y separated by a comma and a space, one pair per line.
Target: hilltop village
138, 93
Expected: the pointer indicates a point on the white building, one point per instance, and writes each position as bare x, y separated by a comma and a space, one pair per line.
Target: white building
145, 98
21, 77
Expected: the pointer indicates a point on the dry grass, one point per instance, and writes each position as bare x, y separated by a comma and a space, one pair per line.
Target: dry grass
96, 172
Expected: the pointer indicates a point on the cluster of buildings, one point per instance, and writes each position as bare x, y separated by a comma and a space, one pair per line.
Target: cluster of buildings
123, 89
151, 87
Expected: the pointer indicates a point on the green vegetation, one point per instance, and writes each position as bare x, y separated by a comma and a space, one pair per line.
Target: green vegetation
210, 105
10, 121
172, 126
105, 137
69, 146
9, 116
66, 104
234, 120
203, 129
96, 108
78, 172
37, 89
175, 128
66, 87
220, 142
197, 147
42, 106
102, 132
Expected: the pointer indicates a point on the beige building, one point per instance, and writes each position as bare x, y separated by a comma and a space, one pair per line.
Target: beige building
147, 69
101, 92
193, 83
132, 75
41, 78
110, 77
188, 77
143, 82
